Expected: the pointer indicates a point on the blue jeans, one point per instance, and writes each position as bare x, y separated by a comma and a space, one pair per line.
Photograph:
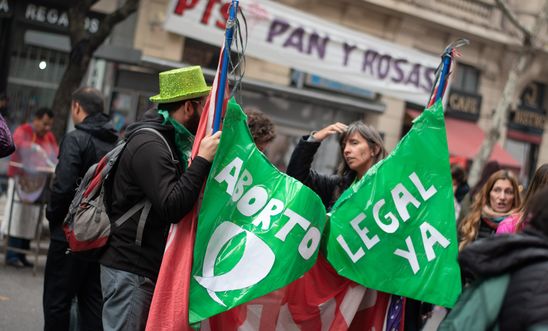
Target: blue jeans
126, 299
16, 242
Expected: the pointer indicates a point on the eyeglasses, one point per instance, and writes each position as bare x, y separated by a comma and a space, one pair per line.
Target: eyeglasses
200, 103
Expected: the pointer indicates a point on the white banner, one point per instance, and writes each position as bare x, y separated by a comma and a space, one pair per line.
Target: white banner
289, 37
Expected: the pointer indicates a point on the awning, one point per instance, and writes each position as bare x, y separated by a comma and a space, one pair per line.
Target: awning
464, 140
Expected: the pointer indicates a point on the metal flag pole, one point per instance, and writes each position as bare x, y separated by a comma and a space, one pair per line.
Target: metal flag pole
229, 34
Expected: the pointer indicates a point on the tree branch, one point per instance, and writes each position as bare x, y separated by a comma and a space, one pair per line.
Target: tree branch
503, 6
128, 8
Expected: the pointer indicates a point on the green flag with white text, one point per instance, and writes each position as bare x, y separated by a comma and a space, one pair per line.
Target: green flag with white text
395, 229
258, 229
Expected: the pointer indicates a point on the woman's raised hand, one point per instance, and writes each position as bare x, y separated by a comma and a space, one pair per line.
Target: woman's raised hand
330, 130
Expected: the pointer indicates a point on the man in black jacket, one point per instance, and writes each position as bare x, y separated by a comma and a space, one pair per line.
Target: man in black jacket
149, 170
67, 277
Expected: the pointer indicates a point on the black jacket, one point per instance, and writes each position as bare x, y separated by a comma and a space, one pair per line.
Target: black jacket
79, 150
299, 167
146, 170
525, 257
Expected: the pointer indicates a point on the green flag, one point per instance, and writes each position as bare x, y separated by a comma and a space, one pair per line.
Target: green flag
395, 229
258, 229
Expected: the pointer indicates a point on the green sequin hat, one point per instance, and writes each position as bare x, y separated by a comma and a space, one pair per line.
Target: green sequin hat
181, 84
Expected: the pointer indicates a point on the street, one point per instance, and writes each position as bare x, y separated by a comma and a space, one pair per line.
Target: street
21, 297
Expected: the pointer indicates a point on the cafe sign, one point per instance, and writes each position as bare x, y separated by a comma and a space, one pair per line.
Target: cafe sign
463, 105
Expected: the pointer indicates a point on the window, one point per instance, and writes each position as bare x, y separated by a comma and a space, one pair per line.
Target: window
533, 96
466, 79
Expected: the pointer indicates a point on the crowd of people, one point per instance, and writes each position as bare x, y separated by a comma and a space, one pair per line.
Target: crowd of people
502, 230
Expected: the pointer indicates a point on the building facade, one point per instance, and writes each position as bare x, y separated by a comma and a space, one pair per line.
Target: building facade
300, 97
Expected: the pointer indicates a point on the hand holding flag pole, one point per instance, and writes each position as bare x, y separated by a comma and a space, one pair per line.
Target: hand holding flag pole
229, 34
443, 71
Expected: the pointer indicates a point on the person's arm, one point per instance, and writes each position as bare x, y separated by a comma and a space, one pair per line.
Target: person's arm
6, 141
171, 196
299, 166
66, 178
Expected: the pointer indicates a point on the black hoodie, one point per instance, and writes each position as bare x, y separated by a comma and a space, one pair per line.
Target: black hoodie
146, 170
79, 150
525, 257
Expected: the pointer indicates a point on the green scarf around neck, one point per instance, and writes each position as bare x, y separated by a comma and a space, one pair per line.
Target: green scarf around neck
183, 138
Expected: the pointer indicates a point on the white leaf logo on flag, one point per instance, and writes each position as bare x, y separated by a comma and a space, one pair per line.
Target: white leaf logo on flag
254, 265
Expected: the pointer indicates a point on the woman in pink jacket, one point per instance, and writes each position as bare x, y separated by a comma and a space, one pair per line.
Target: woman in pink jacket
515, 222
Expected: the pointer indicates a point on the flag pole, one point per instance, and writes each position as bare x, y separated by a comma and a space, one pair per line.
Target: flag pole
229, 33
443, 72
446, 60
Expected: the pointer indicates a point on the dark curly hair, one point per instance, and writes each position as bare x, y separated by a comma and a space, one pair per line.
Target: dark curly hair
260, 126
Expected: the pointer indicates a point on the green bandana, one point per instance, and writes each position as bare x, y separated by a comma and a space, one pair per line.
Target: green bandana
183, 138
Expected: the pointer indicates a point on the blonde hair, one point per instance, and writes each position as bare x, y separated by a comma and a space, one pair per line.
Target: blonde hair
469, 227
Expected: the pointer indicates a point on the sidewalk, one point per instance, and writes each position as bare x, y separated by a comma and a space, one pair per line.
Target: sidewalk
21, 292
21, 297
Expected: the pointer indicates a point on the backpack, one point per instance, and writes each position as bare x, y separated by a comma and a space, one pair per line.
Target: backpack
479, 306
87, 225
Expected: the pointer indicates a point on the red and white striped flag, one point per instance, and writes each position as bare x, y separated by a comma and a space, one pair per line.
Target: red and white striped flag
169, 307
320, 300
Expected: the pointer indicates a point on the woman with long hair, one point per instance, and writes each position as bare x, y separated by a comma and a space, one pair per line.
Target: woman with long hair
361, 147
497, 199
509, 290
516, 222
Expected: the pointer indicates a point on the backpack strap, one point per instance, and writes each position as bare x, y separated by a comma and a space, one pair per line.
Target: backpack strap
144, 204
132, 211
156, 132
142, 221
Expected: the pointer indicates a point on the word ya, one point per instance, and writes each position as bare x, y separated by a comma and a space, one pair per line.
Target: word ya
256, 203
402, 198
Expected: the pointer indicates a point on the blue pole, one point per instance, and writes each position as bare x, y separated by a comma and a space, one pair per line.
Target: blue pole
444, 74
229, 33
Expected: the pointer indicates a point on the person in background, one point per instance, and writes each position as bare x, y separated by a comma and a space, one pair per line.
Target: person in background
4, 102
261, 128
460, 187
466, 203
498, 198
515, 222
510, 289
7, 147
66, 276
459, 182
29, 170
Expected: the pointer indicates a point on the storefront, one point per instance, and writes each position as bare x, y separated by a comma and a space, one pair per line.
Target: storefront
526, 127
296, 111
463, 107
35, 69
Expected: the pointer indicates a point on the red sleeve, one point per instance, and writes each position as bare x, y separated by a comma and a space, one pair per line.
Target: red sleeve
22, 137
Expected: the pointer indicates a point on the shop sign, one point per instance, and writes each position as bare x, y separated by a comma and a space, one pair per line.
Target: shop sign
286, 36
530, 115
55, 17
6, 8
318, 82
528, 120
463, 105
